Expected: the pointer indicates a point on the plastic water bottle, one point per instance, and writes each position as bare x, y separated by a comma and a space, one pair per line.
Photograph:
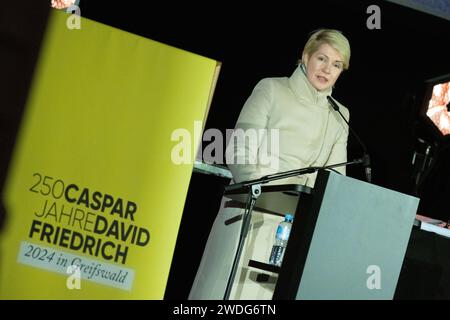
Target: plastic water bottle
281, 239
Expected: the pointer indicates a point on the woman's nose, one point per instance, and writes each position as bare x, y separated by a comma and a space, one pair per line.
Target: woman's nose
326, 68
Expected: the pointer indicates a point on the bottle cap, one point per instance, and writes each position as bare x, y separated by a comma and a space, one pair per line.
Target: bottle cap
289, 217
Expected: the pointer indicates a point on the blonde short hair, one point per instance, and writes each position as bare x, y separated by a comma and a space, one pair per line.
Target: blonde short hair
334, 38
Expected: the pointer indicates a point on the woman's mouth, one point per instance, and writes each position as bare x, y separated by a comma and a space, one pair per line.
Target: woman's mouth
322, 79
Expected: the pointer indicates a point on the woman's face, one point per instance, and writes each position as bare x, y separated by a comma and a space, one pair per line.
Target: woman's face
323, 67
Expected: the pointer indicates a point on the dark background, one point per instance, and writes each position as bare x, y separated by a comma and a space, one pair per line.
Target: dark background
384, 88
22, 26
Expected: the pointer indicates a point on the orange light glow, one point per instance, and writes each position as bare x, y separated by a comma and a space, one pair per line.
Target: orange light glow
437, 107
62, 4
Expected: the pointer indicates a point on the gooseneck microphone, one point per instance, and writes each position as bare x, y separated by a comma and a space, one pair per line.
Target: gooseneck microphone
365, 158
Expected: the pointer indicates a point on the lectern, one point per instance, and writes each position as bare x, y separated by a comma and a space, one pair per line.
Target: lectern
348, 240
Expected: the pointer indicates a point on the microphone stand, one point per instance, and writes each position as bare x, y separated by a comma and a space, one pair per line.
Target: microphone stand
253, 194
366, 158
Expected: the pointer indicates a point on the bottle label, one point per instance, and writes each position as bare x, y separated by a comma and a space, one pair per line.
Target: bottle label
276, 257
283, 232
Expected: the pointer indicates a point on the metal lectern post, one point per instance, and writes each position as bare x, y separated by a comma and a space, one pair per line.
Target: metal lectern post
254, 193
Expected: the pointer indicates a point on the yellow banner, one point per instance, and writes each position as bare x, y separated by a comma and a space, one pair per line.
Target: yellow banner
93, 198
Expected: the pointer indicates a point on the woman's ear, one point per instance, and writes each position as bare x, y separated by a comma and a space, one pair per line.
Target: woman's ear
305, 59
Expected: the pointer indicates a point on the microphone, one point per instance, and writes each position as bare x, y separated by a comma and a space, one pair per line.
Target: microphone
366, 157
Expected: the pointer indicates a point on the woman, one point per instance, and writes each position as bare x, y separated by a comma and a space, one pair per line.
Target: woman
310, 134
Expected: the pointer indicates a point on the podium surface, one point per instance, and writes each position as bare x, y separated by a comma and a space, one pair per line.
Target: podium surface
274, 199
348, 241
